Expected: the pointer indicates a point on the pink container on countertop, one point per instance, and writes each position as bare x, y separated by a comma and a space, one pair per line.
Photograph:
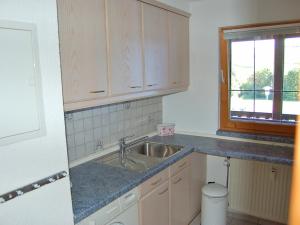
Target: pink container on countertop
166, 129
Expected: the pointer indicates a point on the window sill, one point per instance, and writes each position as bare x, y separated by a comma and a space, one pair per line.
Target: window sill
258, 137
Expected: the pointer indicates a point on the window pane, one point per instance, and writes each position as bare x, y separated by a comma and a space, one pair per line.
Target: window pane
291, 66
242, 65
263, 101
291, 104
264, 64
242, 101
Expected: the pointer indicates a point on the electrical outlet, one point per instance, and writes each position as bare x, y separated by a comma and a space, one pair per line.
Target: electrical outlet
99, 145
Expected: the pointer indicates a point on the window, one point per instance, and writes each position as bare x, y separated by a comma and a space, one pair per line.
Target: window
260, 67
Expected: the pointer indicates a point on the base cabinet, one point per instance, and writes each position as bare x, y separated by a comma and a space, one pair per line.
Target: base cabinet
180, 198
154, 207
197, 181
175, 197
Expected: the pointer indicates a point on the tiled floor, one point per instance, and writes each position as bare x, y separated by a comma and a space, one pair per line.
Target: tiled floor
239, 219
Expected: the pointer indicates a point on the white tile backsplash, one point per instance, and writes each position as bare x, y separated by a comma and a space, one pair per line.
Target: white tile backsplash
107, 124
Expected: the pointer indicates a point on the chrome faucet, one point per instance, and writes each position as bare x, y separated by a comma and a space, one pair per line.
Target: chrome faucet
123, 145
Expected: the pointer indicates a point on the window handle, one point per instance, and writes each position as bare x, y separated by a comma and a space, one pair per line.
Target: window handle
222, 76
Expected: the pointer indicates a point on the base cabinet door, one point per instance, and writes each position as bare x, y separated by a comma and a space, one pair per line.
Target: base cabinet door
197, 180
154, 207
179, 198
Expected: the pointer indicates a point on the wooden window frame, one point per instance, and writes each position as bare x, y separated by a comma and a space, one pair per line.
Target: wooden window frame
226, 123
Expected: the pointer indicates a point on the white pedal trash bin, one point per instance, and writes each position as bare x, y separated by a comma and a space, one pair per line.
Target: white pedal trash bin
214, 204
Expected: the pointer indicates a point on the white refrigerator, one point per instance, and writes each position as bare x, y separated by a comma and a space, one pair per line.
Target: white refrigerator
34, 175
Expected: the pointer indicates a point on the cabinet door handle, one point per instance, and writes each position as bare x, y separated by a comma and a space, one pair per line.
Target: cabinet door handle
164, 191
96, 92
182, 165
177, 181
152, 85
133, 87
156, 182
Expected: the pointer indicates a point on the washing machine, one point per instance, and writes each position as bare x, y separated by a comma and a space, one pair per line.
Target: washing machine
127, 217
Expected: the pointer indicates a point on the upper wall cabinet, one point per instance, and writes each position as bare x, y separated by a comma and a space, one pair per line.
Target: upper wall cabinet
178, 50
113, 51
125, 46
82, 32
155, 21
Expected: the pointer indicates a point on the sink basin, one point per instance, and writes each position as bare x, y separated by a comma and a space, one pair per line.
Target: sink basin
156, 150
129, 163
141, 157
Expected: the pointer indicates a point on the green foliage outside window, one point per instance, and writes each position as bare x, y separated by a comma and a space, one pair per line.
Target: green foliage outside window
264, 79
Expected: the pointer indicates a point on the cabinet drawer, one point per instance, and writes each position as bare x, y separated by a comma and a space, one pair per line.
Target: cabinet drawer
154, 182
181, 164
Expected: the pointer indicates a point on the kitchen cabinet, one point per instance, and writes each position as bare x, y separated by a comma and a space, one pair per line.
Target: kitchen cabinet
154, 207
197, 180
115, 51
178, 50
154, 182
125, 46
82, 33
155, 23
185, 179
180, 198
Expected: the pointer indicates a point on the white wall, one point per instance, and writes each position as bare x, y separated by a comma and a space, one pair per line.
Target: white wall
31, 160
197, 109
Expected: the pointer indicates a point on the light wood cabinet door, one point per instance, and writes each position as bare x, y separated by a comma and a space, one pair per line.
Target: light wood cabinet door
180, 198
154, 207
125, 46
83, 49
155, 24
197, 180
178, 50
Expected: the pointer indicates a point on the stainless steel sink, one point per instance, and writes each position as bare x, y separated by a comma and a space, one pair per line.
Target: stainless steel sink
141, 157
128, 163
156, 150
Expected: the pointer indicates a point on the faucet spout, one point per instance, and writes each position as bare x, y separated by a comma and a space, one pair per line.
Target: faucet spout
123, 145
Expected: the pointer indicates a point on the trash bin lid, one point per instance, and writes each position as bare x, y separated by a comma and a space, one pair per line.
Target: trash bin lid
214, 190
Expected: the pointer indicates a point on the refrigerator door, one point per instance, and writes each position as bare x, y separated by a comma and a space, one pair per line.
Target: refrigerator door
32, 104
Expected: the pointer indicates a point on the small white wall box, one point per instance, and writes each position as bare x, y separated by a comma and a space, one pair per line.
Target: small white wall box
21, 113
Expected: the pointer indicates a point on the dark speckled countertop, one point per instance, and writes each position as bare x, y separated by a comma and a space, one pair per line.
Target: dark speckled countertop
228, 148
95, 185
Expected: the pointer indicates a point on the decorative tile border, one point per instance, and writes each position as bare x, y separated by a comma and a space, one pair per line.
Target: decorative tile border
31, 187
